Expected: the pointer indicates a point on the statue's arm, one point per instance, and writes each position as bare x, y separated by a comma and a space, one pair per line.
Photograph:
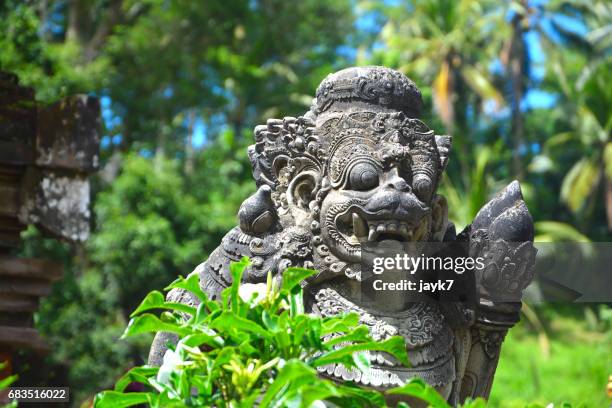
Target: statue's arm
502, 233
211, 286
256, 218
160, 344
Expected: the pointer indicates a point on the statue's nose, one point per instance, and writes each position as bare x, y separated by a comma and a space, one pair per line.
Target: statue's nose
398, 183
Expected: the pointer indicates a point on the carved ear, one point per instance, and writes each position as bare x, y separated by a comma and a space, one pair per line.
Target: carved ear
303, 189
439, 217
257, 213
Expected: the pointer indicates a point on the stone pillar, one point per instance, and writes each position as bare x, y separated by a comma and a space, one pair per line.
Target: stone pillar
47, 153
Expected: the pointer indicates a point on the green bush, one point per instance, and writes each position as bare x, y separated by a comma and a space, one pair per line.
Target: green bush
5, 383
256, 348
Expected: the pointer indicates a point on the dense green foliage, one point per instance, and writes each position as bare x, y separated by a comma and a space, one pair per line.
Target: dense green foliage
570, 361
5, 383
479, 63
254, 347
183, 82
152, 226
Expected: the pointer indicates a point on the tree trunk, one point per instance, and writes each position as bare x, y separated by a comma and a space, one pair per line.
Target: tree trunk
191, 118
43, 12
79, 21
516, 63
608, 192
81, 27
160, 148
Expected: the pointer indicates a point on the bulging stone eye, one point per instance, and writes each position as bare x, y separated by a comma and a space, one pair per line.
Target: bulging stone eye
363, 176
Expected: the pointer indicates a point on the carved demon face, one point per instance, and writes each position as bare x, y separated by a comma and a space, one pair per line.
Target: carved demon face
382, 173
358, 167
376, 182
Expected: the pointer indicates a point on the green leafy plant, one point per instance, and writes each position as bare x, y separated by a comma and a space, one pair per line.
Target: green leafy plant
255, 347
5, 383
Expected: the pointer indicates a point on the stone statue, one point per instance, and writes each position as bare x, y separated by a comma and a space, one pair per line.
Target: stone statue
360, 167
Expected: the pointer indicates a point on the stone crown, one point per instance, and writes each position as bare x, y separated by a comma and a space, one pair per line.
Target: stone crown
371, 85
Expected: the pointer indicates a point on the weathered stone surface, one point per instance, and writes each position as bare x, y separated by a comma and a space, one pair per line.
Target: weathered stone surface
46, 153
67, 134
22, 337
30, 268
360, 167
10, 233
57, 202
17, 121
35, 287
10, 191
14, 303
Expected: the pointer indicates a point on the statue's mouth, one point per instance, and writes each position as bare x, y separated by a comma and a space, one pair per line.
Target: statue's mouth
358, 226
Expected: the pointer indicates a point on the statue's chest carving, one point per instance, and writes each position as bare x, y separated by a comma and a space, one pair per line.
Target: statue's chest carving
429, 342
419, 325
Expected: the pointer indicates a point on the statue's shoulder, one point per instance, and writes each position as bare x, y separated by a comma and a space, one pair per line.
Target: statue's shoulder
215, 274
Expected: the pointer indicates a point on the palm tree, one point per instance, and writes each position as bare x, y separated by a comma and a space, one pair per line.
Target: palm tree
516, 61
451, 44
584, 77
448, 43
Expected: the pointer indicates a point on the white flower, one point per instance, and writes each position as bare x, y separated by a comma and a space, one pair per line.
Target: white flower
246, 291
170, 363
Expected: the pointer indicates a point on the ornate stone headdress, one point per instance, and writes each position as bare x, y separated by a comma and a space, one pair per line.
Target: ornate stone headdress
379, 86
376, 107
